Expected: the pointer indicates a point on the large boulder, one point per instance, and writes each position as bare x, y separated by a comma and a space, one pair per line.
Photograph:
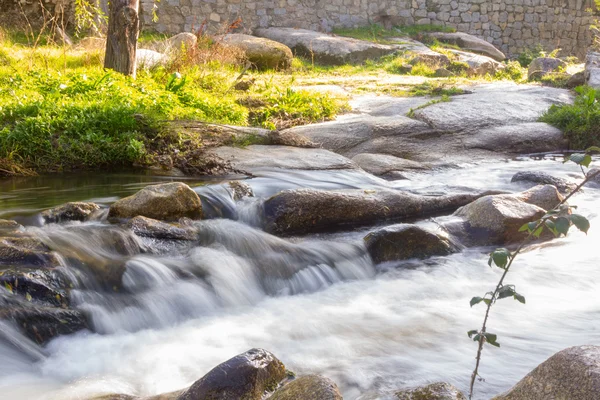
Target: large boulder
149, 59
434, 391
571, 374
539, 177
543, 66
478, 64
387, 166
404, 241
592, 70
543, 196
261, 52
419, 53
469, 43
324, 48
74, 211
167, 202
310, 387
246, 376
181, 42
151, 228
308, 210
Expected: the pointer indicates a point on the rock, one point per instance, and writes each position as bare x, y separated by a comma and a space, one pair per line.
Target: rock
577, 79
239, 190
261, 52
434, 391
572, 374
257, 157
26, 251
405, 69
404, 241
539, 177
151, 228
8, 226
443, 73
75, 211
595, 181
478, 64
310, 387
246, 376
308, 210
149, 59
542, 66
166, 202
324, 48
419, 52
432, 59
46, 286
592, 70
182, 42
497, 219
386, 166
469, 43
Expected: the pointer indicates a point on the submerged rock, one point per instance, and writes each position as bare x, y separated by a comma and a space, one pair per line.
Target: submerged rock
404, 241
75, 211
261, 52
310, 387
572, 374
7, 225
324, 48
167, 201
151, 228
246, 376
434, 391
308, 210
539, 177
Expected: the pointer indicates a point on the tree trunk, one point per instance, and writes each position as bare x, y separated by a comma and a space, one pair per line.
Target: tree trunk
122, 35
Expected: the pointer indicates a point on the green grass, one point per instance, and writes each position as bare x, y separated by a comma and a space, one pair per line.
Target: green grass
378, 34
580, 121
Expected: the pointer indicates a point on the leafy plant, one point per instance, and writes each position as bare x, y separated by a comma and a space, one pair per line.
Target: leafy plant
558, 221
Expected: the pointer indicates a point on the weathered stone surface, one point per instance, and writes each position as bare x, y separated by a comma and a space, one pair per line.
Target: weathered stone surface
168, 201
404, 241
542, 66
385, 165
183, 41
326, 49
592, 70
43, 285
469, 43
571, 374
577, 79
75, 211
307, 210
239, 190
26, 251
310, 387
478, 64
434, 391
151, 228
8, 226
261, 52
246, 376
150, 59
258, 157
520, 138
543, 196
539, 177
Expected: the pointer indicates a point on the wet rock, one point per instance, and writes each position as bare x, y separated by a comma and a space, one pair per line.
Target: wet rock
40, 323
324, 48
469, 43
246, 376
539, 177
434, 391
543, 196
573, 374
543, 66
239, 190
592, 70
151, 228
46, 286
75, 211
168, 202
25, 250
261, 52
478, 64
310, 387
404, 241
595, 181
527, 137
308, 210
257, 157
385, 165
9, 226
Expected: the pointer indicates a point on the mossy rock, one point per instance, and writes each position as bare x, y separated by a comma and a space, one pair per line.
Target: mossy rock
434, 391
309, 387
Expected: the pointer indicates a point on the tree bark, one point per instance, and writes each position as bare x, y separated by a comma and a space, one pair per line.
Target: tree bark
122, 35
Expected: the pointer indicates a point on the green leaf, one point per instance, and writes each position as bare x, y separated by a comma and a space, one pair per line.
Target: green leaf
581, 159
472, 332
562, 225
524, 228
477, 338
491, 339
519, 298
538, 231
593, 149
580, 222
499, 257
476, 300
487, 301
550, 224
505, 291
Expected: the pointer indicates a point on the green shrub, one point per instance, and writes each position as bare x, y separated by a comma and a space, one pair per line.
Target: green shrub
580, 121
526, 57
512, 71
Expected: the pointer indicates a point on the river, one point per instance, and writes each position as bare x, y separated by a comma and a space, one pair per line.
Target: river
317, 302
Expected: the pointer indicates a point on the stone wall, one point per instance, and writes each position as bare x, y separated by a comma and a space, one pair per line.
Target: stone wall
21, 13
511, 25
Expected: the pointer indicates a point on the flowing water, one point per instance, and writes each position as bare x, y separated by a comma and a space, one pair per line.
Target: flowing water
316, 302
